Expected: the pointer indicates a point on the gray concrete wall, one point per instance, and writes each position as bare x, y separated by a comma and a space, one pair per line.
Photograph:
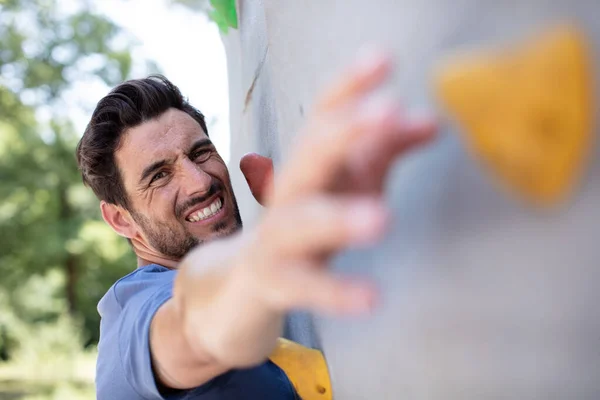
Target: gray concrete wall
483, 297
254, 123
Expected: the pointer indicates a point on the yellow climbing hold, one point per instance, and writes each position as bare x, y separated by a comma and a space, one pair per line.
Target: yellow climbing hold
527, 112
306, 369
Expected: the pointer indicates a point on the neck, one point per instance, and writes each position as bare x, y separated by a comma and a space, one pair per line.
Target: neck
146, 256
165, 262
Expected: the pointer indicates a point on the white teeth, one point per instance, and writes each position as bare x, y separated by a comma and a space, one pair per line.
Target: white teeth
206, 212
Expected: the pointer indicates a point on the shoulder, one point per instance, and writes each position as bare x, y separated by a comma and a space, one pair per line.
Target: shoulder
143, 280
126, 312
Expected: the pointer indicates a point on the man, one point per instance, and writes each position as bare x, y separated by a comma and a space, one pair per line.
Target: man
199, 317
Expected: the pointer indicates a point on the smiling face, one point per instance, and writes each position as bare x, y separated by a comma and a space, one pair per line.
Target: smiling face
178, 186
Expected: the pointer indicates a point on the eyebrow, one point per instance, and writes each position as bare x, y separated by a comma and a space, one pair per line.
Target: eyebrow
198, 144
150, 169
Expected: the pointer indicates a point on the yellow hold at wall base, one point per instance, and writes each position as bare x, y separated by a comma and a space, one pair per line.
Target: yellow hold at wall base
306, 369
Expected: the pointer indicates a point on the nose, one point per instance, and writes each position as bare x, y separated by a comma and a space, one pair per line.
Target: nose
194, 181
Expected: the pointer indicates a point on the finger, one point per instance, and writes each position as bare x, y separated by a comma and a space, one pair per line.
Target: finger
319, 156
321, 224
364, 76
375, 154
322, 151
258, 172
315, 289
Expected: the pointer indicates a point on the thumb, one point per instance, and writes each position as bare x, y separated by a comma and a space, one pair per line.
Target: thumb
258, 171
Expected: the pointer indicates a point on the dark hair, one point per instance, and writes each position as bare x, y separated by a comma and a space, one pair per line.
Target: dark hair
128, 105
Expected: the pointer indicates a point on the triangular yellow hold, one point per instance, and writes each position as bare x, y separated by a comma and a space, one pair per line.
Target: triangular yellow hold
527, 112
306, 369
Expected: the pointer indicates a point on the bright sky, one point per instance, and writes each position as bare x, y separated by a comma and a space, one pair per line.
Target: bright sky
188, 50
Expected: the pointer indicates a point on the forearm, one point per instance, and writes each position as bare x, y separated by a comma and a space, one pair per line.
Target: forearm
215, 321
224, 315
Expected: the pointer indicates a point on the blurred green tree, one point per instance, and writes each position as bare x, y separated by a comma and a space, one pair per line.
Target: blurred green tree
221, 12
55, 253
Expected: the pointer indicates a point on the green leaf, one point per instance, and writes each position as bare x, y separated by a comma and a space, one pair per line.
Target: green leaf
224, 14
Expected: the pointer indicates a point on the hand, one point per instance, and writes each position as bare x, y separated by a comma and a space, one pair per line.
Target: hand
258, 171
326, 196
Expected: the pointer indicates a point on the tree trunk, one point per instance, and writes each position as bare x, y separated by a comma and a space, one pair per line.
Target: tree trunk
71, 272
71, 261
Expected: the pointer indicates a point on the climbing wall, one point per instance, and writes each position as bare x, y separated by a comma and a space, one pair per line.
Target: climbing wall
486, 292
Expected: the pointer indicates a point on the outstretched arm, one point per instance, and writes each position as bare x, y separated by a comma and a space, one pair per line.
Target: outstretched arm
230, 296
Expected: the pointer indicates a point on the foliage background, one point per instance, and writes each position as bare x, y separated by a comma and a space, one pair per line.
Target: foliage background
57, 257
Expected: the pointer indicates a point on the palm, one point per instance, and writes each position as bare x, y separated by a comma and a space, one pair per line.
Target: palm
326, 196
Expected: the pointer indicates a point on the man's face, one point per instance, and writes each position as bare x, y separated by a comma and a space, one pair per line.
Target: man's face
178, 186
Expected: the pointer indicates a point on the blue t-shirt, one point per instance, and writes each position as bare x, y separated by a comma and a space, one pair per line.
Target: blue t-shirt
124, 369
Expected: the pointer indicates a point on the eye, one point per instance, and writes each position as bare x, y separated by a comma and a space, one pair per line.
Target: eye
157, 176
201, 155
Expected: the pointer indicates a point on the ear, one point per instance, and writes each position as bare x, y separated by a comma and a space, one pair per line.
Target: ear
119, 219
258, 171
